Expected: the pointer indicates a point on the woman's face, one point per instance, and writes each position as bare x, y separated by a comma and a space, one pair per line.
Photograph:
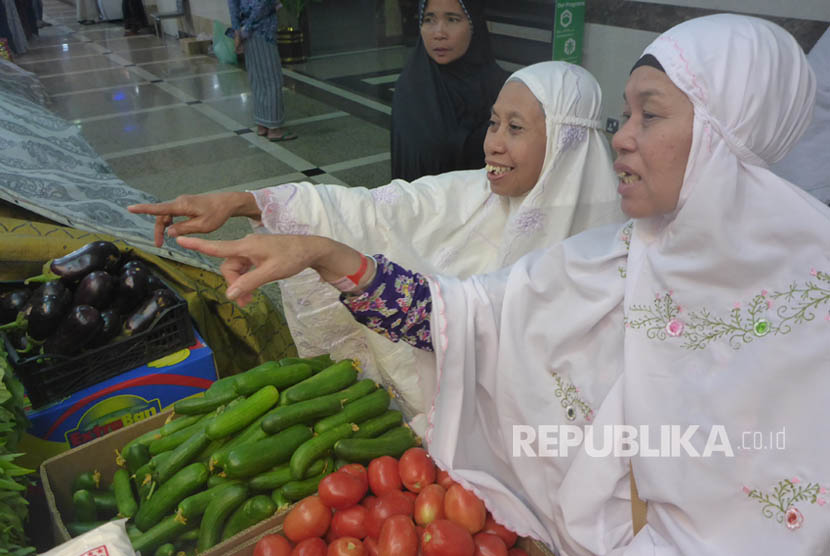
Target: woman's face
516, 141
653, 144
446, 30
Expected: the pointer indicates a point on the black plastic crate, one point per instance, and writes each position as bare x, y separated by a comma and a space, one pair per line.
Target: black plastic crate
51, 378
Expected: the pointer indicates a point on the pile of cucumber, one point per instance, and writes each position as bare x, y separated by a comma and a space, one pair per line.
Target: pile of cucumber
252, 445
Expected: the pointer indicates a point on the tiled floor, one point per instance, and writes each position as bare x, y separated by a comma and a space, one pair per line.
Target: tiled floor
169, 123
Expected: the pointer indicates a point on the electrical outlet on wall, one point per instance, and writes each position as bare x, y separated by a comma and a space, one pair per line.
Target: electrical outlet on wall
612, 125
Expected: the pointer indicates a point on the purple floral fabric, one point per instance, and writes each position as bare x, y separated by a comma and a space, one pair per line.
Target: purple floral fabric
397, 304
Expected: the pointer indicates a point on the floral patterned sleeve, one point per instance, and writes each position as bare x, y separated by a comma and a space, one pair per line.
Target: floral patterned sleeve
396, 304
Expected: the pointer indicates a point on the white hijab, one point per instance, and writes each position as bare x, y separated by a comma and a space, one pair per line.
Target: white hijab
715, 315
451, 223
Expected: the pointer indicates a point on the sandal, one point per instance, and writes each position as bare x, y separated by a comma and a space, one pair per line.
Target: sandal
286, 136
261, 130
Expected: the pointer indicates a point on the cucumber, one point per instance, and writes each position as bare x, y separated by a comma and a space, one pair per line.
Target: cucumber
133, 532
196, 504
169, 442
280, 500
175, 425
391, 443
251, 512
164, 531
252, 433
210, 449
314, 448
201, 405
221, 387
105, 502
340, 462
76, 528
243, 414
84, 505
169, 494
297, 490
185, 453
331, 379
282, 474
354, 412
216, 514
355, 391
188, 536
88, 480
167, 549
379, 425
135, 456
145, 439
316, 365
123, 491
304, 412
250, 459
216, 480
271, 373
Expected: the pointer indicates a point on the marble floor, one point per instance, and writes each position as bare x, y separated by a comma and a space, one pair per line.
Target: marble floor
169, 123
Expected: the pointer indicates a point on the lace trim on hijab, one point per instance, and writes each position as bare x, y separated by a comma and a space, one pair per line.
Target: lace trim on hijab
423, 4
573, 120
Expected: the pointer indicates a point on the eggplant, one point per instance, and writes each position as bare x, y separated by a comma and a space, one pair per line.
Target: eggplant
75, 331
134, 264
146, 314
11, 303
47, 314
154, 283
97, 289
132, 288
110, 328
98, 255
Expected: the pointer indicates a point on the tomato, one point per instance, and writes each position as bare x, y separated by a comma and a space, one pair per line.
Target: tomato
371, 546
272, 545
341, 489
488, 544
442, 537
358, 471
369, 501
391, 503
398, 537
516, 552
429, 505
314, 546
416, 469
346, 546
465, 508
383, 475
350, 522
492, 526
443, 478
309, 518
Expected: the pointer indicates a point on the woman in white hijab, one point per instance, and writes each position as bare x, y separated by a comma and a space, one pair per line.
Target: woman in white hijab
457, 223
699, 330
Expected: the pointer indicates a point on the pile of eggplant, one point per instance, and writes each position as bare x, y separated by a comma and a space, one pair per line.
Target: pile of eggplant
83, 300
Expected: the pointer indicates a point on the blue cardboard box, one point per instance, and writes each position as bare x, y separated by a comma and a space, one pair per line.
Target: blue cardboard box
116, 403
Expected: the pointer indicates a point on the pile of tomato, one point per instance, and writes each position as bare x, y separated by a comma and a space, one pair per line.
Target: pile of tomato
404, 507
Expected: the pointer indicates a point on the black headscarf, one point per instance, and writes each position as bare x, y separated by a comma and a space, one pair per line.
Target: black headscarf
440, 112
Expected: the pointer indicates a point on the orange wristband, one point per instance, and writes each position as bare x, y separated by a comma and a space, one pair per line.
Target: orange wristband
350, 283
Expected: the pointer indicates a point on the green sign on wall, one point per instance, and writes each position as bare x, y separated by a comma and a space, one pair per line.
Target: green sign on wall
568, 30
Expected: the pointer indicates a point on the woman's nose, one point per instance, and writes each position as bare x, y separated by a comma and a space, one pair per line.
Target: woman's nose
623, 140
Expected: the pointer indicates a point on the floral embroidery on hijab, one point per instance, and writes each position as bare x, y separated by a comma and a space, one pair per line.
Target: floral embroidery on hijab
625, 237
767, 313
778, 504
386, 195
569, 398
571, 135
529, 221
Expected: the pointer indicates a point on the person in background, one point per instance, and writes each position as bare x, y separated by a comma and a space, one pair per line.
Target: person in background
443, 96
255, 33
135, 18
38, 5
668, 342
549, 175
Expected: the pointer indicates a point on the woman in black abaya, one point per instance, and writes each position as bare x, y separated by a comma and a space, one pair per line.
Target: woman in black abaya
443, 96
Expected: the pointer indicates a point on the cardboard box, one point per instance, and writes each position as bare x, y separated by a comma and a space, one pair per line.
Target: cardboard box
193, 47
116, 403
57, 473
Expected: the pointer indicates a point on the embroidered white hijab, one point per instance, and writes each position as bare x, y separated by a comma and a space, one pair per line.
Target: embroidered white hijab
451, 223
714, 317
